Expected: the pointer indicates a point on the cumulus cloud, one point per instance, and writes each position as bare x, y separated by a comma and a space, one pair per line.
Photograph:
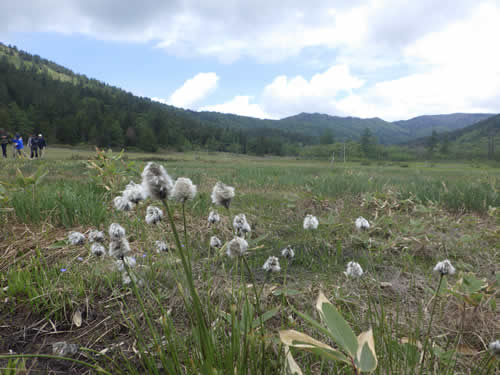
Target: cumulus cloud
192, 91
239, 105
264, 30
286, 96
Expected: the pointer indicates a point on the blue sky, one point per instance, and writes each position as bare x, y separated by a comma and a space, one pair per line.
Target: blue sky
392, 59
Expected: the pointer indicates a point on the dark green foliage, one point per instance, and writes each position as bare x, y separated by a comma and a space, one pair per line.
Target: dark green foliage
39, 96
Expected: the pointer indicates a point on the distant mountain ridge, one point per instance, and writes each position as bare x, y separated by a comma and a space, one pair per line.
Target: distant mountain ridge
305, 128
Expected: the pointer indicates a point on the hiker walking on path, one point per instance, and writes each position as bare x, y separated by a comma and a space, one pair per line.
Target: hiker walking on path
4, 141
33, 145
41, 145
18, 145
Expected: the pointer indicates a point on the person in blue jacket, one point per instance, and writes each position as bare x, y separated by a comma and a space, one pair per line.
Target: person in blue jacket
18, 145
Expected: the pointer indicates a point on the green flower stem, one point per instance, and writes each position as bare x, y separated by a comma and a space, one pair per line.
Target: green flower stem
430, 324
206, 344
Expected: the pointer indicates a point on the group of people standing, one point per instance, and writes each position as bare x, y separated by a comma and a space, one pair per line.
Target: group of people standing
36, 144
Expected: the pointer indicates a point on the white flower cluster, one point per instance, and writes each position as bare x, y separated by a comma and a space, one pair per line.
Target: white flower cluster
156, 182
184, 190
272, 264
241, 226
444, 268
311, 222
222, 194
153, 214
76, 238
288, 252
213, 217
97, 249
237, 247
354, 270
215, 243
362, 224
495, 347
161, 247
129, 261
96, 236
119, 246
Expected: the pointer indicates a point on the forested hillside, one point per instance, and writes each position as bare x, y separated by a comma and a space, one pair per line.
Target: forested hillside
422, 126
37, 95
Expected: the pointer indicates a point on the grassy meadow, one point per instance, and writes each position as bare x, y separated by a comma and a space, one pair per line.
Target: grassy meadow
193, 309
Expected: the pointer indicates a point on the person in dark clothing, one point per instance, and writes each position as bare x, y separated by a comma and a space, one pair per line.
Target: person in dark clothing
4, 141
33, 145
41, 144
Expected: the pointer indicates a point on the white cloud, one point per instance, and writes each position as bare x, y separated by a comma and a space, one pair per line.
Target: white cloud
261, 29
193, 90
239, 105
287, 96
458, 71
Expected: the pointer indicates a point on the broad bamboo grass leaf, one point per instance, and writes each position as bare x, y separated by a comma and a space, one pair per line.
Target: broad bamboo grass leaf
360, 350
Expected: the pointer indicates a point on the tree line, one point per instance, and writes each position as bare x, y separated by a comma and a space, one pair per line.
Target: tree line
77, 109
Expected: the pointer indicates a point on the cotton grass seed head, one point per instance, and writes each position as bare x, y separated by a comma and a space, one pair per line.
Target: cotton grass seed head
76, 238
129, 261
97, 249
288, 252
444, 268
127, 280
184, 190
161, 246
240, 225
237, 247
361, 223
134, 192
156, 182
122, 204
119, 248
213, 217
311, 222
153, 214
222, 194
96, 236
354, 270
495, 347
116, 231
215, 243
272, 264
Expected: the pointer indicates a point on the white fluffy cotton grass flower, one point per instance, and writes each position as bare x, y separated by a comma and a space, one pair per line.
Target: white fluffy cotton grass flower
237, 247
122, 204
444, 268
96, 236
361, 223
134, 192
183, 190
161, 247
76, 238
153, 214
222, 194
354, 270
310, 222
215, 243
116, 231
272, 264
494, 347
240, 225
288, 253
156, 182
213, 217
129, 261
119, 248
97, 249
